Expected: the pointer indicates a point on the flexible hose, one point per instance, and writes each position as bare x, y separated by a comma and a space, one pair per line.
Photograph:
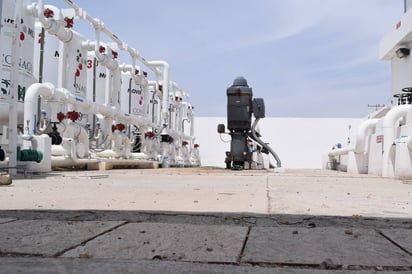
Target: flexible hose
257, 139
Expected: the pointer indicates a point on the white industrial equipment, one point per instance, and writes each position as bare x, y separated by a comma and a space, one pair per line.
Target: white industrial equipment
383, 143
67, 100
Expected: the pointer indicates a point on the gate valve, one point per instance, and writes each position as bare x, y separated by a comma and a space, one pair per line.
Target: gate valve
73, 115
69, 22
136, 72
102, 49
60, 116
160, 87
115, 54
56, 139
144, 73
196, 146
184, 143
48, 13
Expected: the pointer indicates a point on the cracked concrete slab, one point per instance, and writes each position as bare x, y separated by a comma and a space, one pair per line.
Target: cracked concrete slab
99, 266
183, 242
402, 237
323, 245
47, 238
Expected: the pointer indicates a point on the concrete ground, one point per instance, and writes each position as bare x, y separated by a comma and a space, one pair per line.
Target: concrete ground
205, 220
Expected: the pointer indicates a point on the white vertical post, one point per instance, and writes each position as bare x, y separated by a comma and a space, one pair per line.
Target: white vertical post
14, 72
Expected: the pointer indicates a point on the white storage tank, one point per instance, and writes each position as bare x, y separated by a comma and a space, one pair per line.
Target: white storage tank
133, 97
74, 67
26, 35
96, 79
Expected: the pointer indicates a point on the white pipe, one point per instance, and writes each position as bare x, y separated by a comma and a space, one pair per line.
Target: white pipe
97, 28
165, 84
59, 150
51, 25
30, 104
109, 61
108, 91
131, 69
191, 117
61, 161
134, 55
73, 130
48, 91
362, 133
104, 59
108, 153
341, 151
389, 127
115, 88
359, 146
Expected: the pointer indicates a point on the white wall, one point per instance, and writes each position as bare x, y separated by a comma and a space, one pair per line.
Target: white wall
401, 75
299, 142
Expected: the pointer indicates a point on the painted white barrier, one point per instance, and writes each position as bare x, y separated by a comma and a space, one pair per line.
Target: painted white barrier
299, 142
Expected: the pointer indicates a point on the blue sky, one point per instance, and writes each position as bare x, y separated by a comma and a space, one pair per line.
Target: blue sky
306, 58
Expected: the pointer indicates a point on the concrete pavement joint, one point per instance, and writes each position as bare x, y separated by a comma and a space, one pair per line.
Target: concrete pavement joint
394, 242
242, 251
89, 239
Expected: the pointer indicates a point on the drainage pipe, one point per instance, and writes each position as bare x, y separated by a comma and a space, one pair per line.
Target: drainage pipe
389, 126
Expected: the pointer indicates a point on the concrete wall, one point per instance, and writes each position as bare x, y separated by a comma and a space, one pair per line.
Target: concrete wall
299, 142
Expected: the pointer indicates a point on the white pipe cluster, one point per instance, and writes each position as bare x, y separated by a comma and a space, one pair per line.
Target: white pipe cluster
99, 127
378, 145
